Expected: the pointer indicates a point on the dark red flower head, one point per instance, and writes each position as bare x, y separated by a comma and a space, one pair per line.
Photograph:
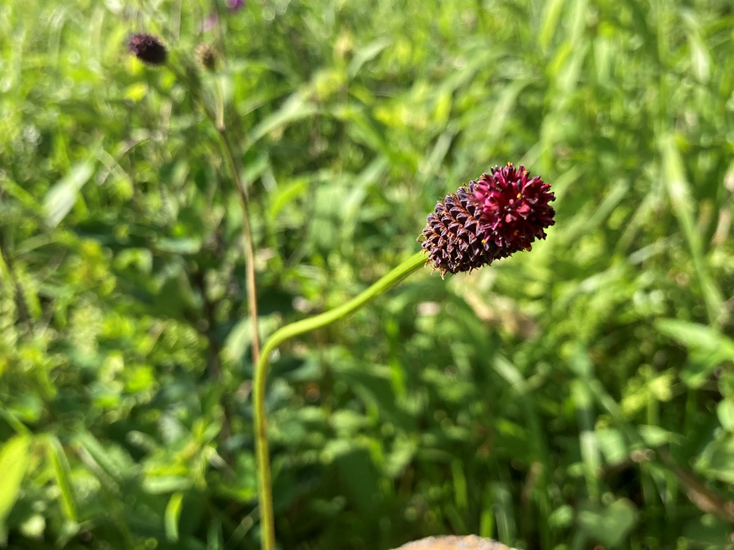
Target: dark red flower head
503, 212
515, 206
148, 48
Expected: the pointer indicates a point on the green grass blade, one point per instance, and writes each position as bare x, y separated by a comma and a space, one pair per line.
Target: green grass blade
62, 473
14, 457
173, 514
682, 202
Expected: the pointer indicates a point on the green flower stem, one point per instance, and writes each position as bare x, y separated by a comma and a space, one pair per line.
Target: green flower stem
265, 493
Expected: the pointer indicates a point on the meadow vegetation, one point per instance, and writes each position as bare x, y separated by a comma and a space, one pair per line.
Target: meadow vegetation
577, 396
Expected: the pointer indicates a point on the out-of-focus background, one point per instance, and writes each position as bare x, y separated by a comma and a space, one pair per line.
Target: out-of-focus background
579, 396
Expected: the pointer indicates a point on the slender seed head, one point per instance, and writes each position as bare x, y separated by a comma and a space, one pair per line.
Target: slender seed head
148, 48
492, 218
206, 57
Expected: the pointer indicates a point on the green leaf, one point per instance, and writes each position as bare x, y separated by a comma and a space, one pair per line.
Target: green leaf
136, 92
550, 21
725, 412
166, 484
707, 347
655, 436
14, 458
708, 532
697, 337
608, 525
62, 196
110, 463
717, 459
369, 52
612, 444
360, 480
285, 194
238, 340
214, 536
62, 472
295, 108
173, 513
681, 198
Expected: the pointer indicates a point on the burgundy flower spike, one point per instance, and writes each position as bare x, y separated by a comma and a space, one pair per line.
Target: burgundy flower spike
503, 212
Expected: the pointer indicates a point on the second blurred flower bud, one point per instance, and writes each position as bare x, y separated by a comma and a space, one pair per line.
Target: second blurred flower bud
206, 57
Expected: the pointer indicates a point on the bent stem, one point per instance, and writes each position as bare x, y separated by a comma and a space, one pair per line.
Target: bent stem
265, 494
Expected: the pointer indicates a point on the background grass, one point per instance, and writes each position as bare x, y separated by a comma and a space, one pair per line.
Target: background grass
579, 396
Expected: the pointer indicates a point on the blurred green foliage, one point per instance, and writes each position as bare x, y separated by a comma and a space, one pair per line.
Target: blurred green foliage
578, 396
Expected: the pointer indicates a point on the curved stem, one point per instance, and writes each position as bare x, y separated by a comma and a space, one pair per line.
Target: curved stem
265, 494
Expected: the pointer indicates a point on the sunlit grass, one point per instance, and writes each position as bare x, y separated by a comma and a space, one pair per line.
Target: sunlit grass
575, 396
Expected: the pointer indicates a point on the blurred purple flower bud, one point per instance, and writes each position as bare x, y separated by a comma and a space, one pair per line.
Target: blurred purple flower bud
148, 48
209, 22
235, 5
